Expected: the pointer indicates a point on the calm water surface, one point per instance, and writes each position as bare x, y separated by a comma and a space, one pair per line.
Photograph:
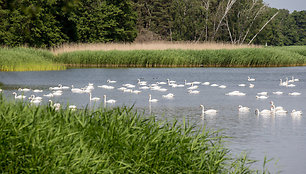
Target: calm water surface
280, 137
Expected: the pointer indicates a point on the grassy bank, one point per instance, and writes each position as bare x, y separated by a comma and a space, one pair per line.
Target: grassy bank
18, 59
27, 59
248, 57
42, 140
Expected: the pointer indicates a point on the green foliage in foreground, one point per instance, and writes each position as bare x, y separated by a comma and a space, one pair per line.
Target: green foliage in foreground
42, 140
249, 57
27, 59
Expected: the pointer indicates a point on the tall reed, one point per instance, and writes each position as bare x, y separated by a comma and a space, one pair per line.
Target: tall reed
38, 139
157, 45
247, 57
27, 59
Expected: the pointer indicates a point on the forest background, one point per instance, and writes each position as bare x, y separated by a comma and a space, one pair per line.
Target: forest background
51, 23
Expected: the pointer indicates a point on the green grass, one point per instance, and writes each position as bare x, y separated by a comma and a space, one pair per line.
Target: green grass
30, 59
42, 140
247, 57
27, 59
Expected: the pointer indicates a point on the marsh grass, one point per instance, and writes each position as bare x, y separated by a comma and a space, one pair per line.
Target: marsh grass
27, 59
30, 59
157, 45
38, 139
246, 57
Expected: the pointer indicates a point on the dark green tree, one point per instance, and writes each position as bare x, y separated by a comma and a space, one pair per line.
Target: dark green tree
104, 21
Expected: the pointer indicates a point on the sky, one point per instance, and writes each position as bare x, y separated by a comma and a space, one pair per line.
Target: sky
290, 5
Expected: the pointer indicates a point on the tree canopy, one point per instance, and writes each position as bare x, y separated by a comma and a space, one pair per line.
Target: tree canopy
47, 23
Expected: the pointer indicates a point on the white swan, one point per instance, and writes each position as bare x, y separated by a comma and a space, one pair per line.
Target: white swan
276, 108
76, 90
127, 90
243, 108
214, 85
290, 85
161, 83
93, 98
72, 107
63, 87
33, 97
296, 113
106, 87
111, 81
168, 96
193, 87
261, 97
35, 101
55, 88
193, 91
136, 91
262, 93
210, 111
241, 85
263, 112
162, 89
170, 81
277, 93
121, 88
294, 93
56, 106
196, 83
251, 85
250, 79
206, 83
19, 96
189, 83
86, 90
296, 80
222, 86
281, 83
48, 95
152, 100
57, 93
108, 101
90, 86
278, 111
235, 93
129, 85
37, 90
142, 83
0, 90
24, 89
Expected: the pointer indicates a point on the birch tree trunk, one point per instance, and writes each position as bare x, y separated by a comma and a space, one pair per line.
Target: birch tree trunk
229, 5
263, 27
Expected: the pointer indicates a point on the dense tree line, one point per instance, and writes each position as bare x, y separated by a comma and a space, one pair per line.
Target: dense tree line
235, 21
46, 23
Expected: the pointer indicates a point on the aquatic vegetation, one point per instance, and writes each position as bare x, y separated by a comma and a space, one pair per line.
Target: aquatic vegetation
30, 59
27, 59
40, 139
246, 57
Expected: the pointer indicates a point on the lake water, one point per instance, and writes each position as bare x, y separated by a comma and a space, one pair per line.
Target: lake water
280, 137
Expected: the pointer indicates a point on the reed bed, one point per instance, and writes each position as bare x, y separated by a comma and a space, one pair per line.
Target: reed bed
157, 45
246, 57
30, 59
27, 59
38, 139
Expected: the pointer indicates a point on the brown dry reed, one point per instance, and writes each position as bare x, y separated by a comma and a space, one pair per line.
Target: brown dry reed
156, 45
